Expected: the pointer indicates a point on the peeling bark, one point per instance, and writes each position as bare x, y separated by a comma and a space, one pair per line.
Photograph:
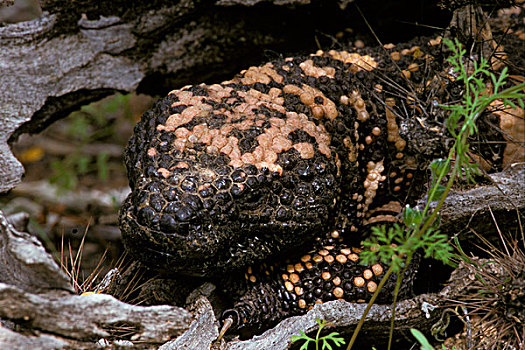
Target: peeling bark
26, 264
78, 52
35, 296
486, 208
91, 316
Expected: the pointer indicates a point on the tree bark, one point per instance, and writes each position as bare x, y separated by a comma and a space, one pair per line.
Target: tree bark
35, 295
81, 51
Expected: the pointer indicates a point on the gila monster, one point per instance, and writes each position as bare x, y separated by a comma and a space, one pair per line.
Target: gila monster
266, 182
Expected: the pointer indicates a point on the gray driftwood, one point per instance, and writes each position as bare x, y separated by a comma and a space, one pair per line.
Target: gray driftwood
91, 316
77, 52
25, 263
202, 332
36, 299
35, 296
486, 208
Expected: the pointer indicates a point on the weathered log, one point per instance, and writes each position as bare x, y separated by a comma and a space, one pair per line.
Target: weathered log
25, 263
35, 295
202, 332
486, 208
14, 340
87, 50
90, 316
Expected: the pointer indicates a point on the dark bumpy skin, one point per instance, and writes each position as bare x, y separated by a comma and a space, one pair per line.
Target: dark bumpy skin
224, 176
266, 165
327, 273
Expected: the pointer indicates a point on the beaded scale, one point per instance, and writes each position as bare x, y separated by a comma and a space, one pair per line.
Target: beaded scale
283, 169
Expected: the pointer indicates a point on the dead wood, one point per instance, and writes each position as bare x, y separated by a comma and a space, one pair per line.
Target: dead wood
91, 316
35, 296
79, 52
37, 299
26, 264
486, 208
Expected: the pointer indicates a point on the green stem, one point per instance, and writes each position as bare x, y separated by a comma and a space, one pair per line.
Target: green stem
435, 212
511, 92
317, 336
434, 189
368, 306
472, 112
394, 303
391, 268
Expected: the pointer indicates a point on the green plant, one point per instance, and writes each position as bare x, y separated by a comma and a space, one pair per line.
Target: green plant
425, 345
420, 229
89, 125
66, 171
324, 341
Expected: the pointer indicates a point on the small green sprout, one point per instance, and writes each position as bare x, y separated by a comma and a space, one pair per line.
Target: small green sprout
324, 341
425, 345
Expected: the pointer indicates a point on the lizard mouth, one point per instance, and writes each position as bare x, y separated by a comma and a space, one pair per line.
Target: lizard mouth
168, 244
201, 245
